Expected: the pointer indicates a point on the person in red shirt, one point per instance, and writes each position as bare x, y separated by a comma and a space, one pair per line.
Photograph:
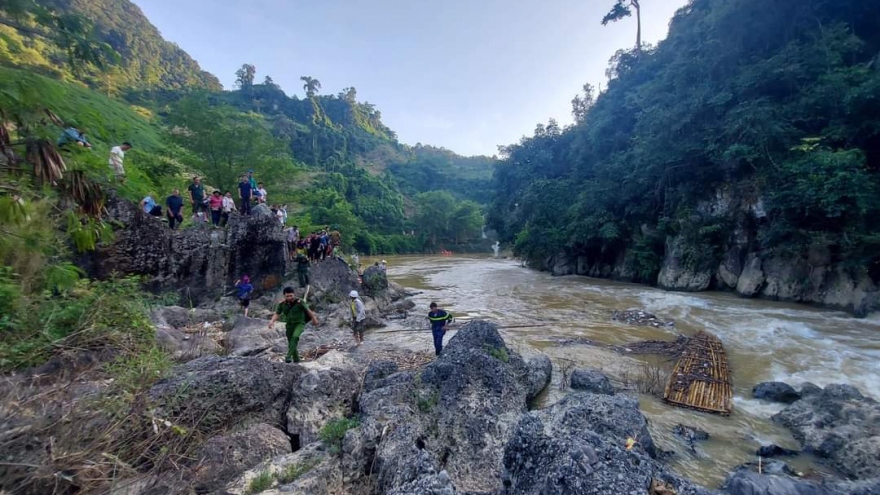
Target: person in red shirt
215, 203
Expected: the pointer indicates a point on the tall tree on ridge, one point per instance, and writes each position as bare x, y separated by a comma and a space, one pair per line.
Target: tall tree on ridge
311, 85
244, 77
623, 8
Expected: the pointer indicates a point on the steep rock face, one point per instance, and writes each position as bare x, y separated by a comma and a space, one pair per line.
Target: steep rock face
742, 265
199, 262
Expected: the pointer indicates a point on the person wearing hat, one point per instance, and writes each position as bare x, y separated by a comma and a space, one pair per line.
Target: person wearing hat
294, 312
383, 265
251, 180
245, 289
358, 317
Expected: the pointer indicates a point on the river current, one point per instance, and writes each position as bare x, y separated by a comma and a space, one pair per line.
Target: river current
764, 341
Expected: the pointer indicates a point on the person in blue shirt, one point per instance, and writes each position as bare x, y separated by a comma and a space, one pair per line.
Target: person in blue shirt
245, 192
150, 207
245, 289
74, 135
439, 320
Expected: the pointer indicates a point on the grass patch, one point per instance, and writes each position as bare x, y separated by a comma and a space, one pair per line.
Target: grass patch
499, 353
334, 431
261, 483
296, 471
427, 400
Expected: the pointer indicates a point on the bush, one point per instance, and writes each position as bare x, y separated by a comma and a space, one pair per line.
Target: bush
294, 472
261, 483
334, 431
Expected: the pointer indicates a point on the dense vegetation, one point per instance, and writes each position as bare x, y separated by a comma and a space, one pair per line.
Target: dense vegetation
772, 101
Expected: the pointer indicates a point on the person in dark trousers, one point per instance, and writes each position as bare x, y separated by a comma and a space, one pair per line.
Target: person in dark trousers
294, 312
439, 320
175, 208
245, 289
302, 270
197, 199
245, 192
215, 203
358, 317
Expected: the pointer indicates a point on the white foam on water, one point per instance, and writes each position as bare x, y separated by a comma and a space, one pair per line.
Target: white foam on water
756, 407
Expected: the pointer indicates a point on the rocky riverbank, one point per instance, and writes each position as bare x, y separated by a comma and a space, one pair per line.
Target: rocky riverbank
382, 420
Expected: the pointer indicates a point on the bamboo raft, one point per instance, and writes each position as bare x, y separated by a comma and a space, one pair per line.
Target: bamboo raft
701, 378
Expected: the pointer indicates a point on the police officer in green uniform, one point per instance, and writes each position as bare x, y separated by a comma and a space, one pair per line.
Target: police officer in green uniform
294, 312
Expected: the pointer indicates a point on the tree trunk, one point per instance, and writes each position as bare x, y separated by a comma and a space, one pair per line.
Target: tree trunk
635, 4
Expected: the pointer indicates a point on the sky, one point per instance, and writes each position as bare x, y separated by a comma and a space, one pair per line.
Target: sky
467, 75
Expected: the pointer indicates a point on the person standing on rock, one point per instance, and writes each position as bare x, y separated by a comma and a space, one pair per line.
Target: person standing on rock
294, 312
175, 208
244, 194
197, 199
245, 289
215, 202
228, 207
439, 320
302, 270
358, 317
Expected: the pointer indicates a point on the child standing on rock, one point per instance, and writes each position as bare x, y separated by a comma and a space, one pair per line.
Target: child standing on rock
244, 293
294, 312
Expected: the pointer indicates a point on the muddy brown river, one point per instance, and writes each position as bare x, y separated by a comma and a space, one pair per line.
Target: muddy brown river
764, 341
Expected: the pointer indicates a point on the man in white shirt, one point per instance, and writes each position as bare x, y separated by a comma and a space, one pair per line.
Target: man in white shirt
228, 207
117, 156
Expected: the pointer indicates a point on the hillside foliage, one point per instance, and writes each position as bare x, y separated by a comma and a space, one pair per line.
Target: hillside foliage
777, 101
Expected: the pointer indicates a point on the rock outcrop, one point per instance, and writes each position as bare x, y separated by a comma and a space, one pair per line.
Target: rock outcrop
840, 426
737, 261
591, 380
775, 392
578, 446
198, 262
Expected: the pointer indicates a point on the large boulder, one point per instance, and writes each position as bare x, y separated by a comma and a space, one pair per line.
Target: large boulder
224, 457
198, 262
215, 393
591, 380
840, 426
374, 281
746, 481
318, 397
578, 447
455, 416
331, 281
775, 392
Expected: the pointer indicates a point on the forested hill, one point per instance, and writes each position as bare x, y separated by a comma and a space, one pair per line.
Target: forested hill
741, 152
328, 155
143, 59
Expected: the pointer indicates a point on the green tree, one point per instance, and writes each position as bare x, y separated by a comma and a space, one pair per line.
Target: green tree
228, 143
310, 85
623, 8
244, 77
434, 215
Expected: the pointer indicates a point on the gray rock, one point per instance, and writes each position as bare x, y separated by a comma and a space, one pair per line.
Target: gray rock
808, 388
752, 277
434, 484
184, 347
374, 281
591, 380
840, 426
318, 397
198, 262
577, 446
251, 336
774, 450
747, 482
689, 433
233, 390
540, 371
675, 274
775, 392
224, 457
376, 374
331, 281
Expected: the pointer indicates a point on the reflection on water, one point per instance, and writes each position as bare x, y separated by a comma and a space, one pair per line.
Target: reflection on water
764, 341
